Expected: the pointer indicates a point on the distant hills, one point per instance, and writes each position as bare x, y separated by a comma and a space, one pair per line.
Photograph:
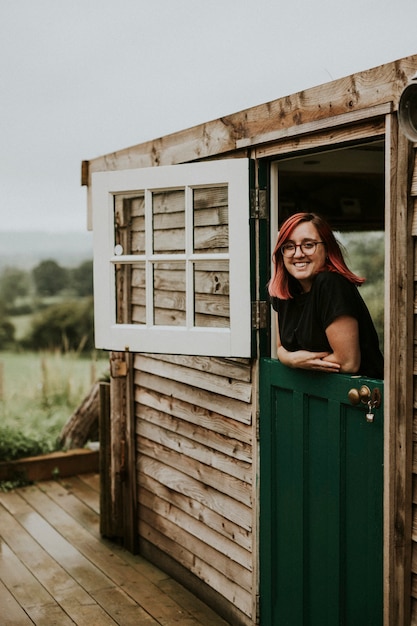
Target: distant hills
25, 249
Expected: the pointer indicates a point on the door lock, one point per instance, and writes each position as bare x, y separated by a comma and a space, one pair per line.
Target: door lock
364, 395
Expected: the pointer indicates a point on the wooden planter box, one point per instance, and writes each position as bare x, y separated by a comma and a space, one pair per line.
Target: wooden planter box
53, 465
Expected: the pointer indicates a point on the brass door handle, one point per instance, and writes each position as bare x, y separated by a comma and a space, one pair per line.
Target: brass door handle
359, 395
364, 395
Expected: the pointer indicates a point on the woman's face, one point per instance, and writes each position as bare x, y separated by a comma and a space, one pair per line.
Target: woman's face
304, 267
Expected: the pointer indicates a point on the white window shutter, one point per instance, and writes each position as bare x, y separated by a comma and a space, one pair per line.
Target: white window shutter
231, 338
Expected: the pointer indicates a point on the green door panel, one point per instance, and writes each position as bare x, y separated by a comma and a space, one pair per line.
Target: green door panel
321, 501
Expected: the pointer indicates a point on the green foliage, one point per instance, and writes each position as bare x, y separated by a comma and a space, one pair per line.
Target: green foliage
49, 278
7, 332
39, 394
15, 444
365, 255
19, 481
81, 279
14, 283
68, 326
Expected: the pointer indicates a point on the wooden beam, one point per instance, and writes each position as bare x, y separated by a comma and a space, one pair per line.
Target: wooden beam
349, 95
398, 408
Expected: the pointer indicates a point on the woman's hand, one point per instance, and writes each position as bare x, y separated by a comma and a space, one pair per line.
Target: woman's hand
345, 357
303, 359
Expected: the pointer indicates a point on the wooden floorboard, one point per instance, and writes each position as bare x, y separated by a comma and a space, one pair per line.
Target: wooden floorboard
56, 569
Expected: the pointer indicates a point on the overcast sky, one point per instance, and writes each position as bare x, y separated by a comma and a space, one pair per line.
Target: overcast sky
81, 78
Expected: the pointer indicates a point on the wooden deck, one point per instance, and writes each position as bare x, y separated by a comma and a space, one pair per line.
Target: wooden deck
56, 569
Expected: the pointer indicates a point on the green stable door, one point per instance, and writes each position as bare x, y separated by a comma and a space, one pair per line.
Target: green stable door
321, 499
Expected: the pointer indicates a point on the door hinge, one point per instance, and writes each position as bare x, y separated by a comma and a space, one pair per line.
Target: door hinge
259, 314
258, 204
257, 609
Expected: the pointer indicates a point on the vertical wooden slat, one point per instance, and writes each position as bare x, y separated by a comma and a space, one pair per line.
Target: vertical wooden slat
398, 377
122, 488
106, 529
118, 407
130, 531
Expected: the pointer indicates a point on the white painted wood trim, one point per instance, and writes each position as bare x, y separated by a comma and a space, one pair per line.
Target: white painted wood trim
233, 341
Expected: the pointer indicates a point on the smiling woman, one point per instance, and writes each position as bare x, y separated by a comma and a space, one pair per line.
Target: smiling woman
304, 260
322, 321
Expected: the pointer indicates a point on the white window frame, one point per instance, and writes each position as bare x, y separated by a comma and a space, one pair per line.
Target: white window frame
234, 341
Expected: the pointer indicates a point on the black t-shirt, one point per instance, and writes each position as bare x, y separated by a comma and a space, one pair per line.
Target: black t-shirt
303, 320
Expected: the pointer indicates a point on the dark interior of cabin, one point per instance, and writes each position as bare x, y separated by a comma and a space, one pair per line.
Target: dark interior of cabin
346, 186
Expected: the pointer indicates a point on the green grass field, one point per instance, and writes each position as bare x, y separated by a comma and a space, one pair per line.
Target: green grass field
39, 392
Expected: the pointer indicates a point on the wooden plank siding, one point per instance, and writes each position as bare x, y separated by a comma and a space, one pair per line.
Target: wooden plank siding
210, 234
347, 95
194, 449
195, 423
414, 456
56, 569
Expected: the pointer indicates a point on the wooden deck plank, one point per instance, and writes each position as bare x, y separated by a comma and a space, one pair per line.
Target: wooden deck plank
50, 534
192, 604
64, 495
113, 600
12, 612
65, 590
134, 583
38, 604
85, 492
93, 480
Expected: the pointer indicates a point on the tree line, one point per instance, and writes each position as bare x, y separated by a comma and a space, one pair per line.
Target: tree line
58, 301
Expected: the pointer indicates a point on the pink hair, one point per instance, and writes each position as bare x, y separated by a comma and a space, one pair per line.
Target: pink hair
280, 285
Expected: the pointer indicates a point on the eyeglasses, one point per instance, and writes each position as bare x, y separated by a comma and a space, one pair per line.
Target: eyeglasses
307, 247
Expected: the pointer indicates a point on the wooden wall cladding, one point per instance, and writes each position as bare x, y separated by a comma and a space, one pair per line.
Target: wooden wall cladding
194, 450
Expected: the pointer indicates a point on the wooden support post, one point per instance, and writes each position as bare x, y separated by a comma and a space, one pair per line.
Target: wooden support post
106, 522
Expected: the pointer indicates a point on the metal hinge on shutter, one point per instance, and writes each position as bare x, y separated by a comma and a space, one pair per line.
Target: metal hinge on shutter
258, 204
259, 314
257, 609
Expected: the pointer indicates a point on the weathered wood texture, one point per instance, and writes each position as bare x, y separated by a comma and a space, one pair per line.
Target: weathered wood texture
82, 426
222, 136
118, 458
398, 379
194, 425
210, 231
52, 465
56, 569
414, 456
194, 445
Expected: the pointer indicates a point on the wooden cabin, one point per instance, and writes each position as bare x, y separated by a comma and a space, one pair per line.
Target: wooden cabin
265, 491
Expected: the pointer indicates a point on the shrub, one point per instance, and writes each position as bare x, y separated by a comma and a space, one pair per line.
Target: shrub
15, 445
7, 332
49, 278
39, 393
81, 279
67, 326
14, 284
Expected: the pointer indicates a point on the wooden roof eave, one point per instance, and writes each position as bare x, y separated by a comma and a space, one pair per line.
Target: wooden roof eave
343, 101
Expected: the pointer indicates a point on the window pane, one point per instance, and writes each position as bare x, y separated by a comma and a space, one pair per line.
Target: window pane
169, 294
211, 294
130, 224
130, 293
168, 213
211, 219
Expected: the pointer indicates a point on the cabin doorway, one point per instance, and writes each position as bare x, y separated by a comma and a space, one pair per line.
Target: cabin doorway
321, 546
